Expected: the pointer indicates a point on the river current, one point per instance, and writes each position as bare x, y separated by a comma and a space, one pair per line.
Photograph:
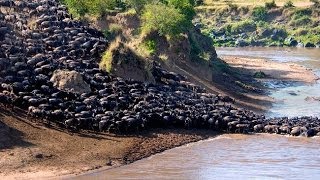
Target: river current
231, 156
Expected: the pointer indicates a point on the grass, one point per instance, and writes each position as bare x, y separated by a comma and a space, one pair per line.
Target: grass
107, 57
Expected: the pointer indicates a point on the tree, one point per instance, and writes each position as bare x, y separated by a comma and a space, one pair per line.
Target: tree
186, 7
166, 20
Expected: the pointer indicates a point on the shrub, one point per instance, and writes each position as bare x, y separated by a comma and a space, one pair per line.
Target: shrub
163, 19
301, 21
79, 8
151, 45
270, 5
259, 13
186, 7
243, 26
288, 4
107, 57
302, 12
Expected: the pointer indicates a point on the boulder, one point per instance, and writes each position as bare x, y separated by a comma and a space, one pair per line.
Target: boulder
241, 43
69, 81
309, 45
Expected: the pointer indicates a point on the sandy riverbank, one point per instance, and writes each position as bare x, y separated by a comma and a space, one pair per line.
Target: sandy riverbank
273, 70
30, 150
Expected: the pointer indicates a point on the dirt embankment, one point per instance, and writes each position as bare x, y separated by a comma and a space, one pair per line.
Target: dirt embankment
31, 150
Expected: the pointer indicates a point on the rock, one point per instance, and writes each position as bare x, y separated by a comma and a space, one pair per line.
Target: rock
69, 81
309, 45
266, 33
292, 93
39, 156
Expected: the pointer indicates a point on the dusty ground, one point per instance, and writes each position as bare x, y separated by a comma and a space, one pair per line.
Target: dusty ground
30, 150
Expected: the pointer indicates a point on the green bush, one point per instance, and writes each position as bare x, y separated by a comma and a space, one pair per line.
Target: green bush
288, 4
301, 21
151, 45
270, 5
302, 12
243, 26
259, 13
166, 20
80, 8
186, 7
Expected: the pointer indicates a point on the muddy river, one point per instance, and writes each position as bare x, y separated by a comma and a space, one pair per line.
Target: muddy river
244, 156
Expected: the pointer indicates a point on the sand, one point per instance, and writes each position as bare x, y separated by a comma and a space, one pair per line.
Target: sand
273, 70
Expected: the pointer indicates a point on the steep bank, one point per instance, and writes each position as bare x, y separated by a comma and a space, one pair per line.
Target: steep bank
31, 150
260, 24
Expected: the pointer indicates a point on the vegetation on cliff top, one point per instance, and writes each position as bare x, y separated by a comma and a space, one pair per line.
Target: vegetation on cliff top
261, 23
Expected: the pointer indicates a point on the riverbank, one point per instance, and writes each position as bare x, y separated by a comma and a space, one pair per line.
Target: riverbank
32, 150
272, 70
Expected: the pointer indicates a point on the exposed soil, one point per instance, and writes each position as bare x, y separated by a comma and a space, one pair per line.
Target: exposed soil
31, 150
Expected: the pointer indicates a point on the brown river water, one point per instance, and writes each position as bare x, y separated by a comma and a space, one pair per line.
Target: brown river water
230, 156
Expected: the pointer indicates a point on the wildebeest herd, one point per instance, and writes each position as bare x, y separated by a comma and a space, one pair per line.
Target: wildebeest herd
39, 36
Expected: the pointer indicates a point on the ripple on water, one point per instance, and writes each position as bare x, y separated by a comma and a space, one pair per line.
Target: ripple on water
229, 157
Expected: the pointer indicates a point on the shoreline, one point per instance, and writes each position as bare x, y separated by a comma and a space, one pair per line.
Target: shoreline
34, 150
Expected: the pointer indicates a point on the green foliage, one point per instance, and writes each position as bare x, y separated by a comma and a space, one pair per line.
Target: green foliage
288, 4
166, 20
106, 62
79, 8
151, 45
243, 26
186, 7
301, 21
112, 32
302, 12
259, 13
270, 5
